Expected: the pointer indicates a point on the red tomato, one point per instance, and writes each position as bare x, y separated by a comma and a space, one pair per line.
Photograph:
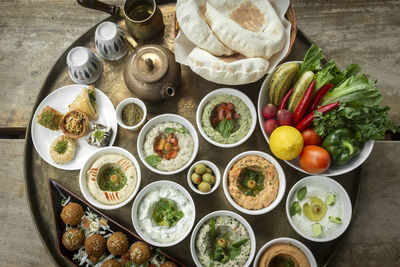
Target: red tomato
311, 138
314, 159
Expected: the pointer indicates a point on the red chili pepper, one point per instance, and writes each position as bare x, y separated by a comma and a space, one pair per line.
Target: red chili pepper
305, 101
318, 97
285, 99
304, 123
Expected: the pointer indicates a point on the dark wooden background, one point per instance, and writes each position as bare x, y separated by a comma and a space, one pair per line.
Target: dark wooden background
33, 34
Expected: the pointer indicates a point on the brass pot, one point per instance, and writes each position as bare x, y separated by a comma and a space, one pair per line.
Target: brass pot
151, 73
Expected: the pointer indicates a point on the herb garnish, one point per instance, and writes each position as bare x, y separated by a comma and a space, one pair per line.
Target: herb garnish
112, 179
221, 250
61, 146
166, 213
98, 134
153, 160
169, 130
225, 127
252, 182
295, 208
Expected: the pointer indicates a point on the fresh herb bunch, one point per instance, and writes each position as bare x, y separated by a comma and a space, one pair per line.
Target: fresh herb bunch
166, 213
366, 122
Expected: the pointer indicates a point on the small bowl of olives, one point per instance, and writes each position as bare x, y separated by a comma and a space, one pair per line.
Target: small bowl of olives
203, 177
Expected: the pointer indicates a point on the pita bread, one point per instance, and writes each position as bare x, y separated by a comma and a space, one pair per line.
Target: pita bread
190, 15
82, 102
231, 70
250, 27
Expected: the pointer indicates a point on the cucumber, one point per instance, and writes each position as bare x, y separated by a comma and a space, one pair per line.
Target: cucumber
316, 229
299, 89
281, 80
330, 199
335, 219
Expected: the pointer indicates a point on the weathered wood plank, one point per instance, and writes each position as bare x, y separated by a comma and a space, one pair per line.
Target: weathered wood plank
21, 245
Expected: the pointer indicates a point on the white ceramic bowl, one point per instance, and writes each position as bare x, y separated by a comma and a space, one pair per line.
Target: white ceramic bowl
341, 195
167, 118
216, 172
228, 91
287, 240
121, 106
86, 166
135, 208
222, 213
263, 99
281, 177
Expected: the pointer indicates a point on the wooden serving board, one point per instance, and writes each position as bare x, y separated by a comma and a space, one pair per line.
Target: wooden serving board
266, 227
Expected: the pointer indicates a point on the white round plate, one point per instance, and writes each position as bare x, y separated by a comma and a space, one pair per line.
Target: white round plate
263, 99
59, 100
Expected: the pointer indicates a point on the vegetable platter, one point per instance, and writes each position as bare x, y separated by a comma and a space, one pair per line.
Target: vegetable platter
192, 90
320, 119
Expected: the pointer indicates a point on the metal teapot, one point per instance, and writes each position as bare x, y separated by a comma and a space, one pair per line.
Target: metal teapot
151, 72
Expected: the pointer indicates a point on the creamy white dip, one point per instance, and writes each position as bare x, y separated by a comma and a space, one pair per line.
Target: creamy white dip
303, 224
164, 234
185, 142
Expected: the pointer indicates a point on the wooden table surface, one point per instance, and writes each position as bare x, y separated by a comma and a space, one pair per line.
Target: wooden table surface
35, 33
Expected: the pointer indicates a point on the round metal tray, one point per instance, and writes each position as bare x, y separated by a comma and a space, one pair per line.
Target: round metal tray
266, 227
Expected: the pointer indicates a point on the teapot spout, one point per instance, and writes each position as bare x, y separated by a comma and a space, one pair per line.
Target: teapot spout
168, 90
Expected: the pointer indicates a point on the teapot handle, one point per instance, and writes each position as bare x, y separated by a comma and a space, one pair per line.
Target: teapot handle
98, 5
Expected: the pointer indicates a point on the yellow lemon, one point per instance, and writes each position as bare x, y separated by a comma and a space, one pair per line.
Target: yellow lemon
286, 142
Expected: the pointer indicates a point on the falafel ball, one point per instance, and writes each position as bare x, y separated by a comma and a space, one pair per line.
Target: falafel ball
73, 239
168, 264
72, 214
139, 252
111, 263
117, 244
95, 245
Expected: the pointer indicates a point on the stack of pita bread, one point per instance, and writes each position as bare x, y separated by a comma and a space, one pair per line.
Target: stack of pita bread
234, 38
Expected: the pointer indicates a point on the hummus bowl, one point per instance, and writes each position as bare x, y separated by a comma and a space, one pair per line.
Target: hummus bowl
285, 246
238, 228
110, 178
150, 219
244, 125
263, 99
324, 208
267, 193
157, 132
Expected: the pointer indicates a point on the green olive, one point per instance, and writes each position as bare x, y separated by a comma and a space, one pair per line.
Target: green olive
208, 178
196, 179
221, 242
204, 187
200, 168
208, 170
251, 184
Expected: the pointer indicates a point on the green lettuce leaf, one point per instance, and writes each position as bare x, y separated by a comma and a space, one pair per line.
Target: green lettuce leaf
312, 60
355, 88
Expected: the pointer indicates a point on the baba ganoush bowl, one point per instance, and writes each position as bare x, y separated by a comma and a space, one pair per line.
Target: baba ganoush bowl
165, 135
317, 205
254, 169
289, 249
149, 221
243, 125
233, 227
110, 178
263, 99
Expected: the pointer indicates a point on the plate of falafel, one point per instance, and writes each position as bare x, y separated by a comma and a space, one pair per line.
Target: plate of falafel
87, 237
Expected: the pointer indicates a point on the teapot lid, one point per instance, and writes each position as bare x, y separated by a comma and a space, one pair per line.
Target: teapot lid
149, 64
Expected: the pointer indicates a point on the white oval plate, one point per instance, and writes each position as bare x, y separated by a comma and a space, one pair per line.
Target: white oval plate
59, 100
